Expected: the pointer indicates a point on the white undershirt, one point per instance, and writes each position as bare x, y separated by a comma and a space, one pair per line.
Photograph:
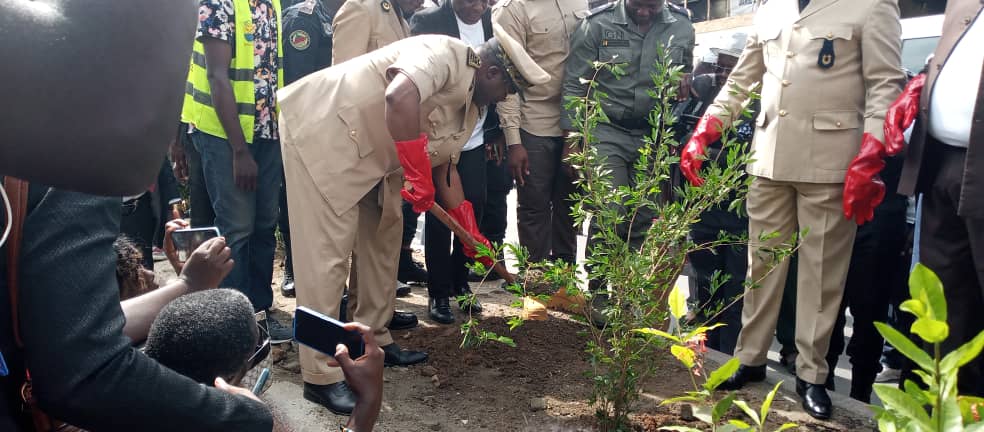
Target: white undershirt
474, 35
955, 91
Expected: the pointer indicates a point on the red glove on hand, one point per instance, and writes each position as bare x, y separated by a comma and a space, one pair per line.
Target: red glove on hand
464, 214
863, 189
707, 131
901, 114
416, 170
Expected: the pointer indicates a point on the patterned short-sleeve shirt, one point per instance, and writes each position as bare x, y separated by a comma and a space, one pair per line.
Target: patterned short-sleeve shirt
216, 19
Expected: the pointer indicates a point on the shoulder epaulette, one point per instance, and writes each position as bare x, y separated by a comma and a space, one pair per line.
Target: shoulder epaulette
679, 10
599, 9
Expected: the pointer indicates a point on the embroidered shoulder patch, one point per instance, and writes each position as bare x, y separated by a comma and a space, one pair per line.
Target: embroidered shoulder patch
300, 40
473, 59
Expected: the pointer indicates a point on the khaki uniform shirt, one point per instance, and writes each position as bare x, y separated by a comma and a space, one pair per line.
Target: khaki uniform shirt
335, 117
361, 26
543, 27
813, 117
609, 35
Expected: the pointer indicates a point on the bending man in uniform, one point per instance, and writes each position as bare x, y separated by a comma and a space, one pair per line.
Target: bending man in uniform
347, 170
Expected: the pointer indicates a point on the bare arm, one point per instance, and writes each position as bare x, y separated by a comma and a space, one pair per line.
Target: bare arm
402, 108
448, 195
85, 103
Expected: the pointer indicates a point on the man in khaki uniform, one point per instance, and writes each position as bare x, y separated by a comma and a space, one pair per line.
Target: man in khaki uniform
352, 134
362, 26
532, 127
828, 71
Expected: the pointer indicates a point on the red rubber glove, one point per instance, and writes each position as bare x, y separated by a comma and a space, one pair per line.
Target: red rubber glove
464, 214
416, 170
708, 130
863, 189
901, 114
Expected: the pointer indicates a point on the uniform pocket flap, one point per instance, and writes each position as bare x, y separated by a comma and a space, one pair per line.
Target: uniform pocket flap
350, 117
769, 32
836, 120
831, 32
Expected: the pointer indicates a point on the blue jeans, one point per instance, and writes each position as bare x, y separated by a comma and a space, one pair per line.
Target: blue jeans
246, 219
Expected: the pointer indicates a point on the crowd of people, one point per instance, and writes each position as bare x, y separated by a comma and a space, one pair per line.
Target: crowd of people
359, 115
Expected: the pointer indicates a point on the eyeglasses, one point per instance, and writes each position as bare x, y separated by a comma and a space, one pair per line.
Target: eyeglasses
262, 347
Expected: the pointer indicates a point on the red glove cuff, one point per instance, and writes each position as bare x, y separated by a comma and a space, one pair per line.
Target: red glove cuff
707, 131
464, 214
902, 113
417, 171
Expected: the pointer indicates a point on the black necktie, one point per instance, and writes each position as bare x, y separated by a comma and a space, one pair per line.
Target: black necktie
803, 4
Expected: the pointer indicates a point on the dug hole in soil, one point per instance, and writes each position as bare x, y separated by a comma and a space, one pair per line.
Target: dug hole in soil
540, 385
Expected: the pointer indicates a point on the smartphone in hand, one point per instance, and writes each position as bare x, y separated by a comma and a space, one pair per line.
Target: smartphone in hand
323, 333
188, 239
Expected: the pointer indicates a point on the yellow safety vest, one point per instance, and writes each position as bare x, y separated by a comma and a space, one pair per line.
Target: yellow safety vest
198, 109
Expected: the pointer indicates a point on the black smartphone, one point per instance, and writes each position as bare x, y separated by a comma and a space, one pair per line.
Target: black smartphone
188, 239
324, 333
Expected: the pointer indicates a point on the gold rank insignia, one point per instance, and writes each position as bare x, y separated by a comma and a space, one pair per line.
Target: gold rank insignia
386, 5
473, 59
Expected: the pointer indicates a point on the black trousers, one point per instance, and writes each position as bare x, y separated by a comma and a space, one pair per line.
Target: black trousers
409, 223
202, 213
446, 271
139, 223
499, 182
543, 213
953, 246
878, 266
283, 224
719, 306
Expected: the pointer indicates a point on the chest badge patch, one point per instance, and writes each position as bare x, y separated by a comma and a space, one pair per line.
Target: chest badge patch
826, 58
248, 29
473, 59
300, 40
386, 5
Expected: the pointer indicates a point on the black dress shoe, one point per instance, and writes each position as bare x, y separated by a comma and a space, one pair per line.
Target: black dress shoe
439, 310
394, 356
816, 402
402, 321
337, 397
287, 288
410, 271
402, 289
744, 375
471, 304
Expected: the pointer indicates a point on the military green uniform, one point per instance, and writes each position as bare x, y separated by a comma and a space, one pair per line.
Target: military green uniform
609, 34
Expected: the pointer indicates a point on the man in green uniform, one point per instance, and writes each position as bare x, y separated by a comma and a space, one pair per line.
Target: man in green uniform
629, 32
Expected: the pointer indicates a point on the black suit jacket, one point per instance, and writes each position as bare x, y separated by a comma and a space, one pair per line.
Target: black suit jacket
441, 20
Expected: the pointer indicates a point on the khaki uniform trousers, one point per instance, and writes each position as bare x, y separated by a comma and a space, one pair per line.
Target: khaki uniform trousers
322, 244
824, 256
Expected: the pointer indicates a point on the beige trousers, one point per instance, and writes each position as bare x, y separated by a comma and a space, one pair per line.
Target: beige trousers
824, 256
322, 244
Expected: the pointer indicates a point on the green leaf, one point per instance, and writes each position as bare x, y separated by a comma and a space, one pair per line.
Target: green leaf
679, 429
680, 399
749, 411
684, 354
660, 333
950, 412
786, 426
931, 330
963, 355
767, 403
915, 391
971, 408
925, 285
739, 424
722, 374
900, 403
722, 407
914, 307
677, 302
701, 330
905, 346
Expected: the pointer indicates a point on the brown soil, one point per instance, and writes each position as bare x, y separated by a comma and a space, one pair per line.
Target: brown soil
540, 385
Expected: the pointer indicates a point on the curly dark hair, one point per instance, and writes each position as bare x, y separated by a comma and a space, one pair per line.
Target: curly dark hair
129, 262
205, 335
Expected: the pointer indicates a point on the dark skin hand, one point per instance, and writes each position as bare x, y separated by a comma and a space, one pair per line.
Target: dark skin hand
218, 54
179, 162
365, 376
519, 163
113, 118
